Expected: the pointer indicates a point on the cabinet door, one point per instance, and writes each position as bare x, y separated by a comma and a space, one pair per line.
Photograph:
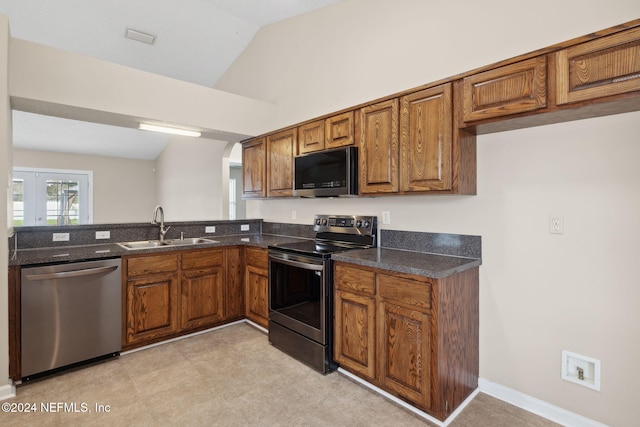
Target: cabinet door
311, 137
281, 148
257, 295
152, 307
202, 297
511, 89
253, 169
377, 133
426, 140
338, 130
403, 349
602, 67
354, 333
234, 285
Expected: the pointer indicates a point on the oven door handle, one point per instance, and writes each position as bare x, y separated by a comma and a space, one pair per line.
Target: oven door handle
304, 265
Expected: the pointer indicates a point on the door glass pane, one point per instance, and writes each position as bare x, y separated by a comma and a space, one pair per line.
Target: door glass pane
18, 202
62, 202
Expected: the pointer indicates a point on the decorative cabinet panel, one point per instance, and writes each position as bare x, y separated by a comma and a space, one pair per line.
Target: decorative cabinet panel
414, 337
599, 68
234, 298
426, 140
253, 169
281, 148
257, 286
354, 321
507, 90
338, 130
377, 138
151, 292
404, 352
311, 137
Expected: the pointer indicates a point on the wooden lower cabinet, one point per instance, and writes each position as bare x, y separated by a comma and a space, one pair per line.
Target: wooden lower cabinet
414, 337
257, 285
172, 294
202, 288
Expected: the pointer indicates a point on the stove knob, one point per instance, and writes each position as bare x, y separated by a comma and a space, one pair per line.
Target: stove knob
317, 221
366, 224
358, 223
324, 221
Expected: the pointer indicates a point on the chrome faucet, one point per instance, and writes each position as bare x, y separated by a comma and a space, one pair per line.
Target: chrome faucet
154, 221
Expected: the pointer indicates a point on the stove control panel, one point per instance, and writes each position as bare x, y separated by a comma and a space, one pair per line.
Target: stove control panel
349, 224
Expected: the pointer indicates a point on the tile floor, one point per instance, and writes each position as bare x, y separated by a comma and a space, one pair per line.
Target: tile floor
227, 377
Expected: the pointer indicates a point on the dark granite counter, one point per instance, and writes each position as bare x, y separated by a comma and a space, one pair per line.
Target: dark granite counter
402, 261
63, 254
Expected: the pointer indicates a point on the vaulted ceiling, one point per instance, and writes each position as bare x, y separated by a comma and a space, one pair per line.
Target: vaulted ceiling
195, 41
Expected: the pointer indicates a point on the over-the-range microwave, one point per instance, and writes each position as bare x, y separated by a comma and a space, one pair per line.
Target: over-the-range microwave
327, 173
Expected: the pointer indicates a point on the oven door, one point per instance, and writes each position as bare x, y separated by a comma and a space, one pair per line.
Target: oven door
299, 294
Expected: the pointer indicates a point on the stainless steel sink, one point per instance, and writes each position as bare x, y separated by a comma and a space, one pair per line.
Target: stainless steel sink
188, 241
150, 244
142, 244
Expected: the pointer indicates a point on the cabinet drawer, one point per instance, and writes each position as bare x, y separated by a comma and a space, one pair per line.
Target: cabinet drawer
511, 89
257, 258
152, 264
602, 67
405, 291
354, 279
202, 259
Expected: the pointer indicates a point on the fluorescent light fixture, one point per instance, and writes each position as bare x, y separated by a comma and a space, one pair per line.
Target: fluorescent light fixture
171, 130
139, 36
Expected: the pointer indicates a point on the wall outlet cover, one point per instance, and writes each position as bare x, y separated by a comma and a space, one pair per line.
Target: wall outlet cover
60, 237
244, 227
210, 229
103, 235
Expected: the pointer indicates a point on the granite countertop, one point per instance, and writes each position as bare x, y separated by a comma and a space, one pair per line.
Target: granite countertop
113, 250
410, 262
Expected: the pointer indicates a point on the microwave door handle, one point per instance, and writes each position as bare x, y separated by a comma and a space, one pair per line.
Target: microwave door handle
304, 265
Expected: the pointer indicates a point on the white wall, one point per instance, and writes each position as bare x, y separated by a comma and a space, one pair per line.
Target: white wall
189, 179
124, 190
91, 87
5, 173
540, 293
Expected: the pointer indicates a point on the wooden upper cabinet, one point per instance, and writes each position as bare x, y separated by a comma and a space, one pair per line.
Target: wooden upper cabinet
514, 88
281, 148
311, 137
253, 169
377, 137
338, 130
426, 127
602, 67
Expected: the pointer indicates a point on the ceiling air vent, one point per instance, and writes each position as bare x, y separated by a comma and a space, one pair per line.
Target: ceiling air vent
139, 36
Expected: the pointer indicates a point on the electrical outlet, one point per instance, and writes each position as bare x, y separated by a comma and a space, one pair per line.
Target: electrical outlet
60, 237
103, 235
556, 224
244, 227
294, 214
386, 217
210, 229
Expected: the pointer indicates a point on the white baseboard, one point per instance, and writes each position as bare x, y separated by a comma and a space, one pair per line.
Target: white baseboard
7, 391
411, 408
536, 406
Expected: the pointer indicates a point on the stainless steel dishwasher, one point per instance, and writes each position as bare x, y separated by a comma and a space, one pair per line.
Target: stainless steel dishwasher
70, 313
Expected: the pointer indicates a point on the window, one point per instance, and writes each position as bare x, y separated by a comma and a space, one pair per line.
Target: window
52, 197
232, 198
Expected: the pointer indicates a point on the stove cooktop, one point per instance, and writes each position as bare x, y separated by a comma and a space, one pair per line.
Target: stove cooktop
335, 233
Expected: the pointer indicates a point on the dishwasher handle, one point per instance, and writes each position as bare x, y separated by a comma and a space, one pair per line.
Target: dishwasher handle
74, 273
